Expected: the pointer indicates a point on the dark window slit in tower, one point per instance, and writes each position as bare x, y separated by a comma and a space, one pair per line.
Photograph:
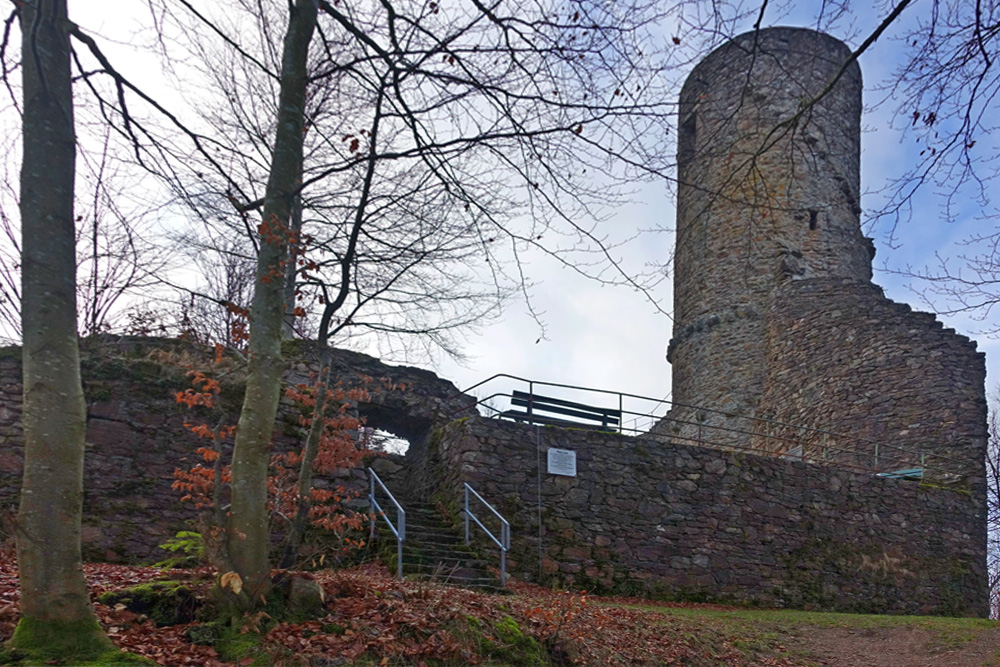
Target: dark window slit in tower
813, 217
686, 139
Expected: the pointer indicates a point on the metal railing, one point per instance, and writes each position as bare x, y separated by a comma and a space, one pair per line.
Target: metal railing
687, 424
503, 542
399, 530
641, 422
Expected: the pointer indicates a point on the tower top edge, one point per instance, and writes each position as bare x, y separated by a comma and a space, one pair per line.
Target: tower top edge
780, 42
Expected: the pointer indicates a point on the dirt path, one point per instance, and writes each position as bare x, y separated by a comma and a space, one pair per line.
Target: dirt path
895, 647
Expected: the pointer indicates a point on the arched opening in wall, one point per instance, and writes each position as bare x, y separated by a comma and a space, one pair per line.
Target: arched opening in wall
378, 440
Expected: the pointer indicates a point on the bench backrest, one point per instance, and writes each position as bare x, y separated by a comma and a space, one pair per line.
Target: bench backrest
534, 403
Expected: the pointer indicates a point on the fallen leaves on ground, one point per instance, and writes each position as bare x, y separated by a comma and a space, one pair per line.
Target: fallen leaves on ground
370, 613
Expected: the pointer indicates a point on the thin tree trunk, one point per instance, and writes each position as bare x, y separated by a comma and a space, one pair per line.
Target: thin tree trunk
248, 535
311, 449
56, 616
291, 272
309, 452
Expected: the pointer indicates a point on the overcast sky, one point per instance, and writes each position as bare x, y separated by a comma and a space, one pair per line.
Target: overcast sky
614, 338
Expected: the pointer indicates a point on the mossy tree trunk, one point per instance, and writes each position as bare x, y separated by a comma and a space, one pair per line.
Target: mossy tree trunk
248, 534
56, 615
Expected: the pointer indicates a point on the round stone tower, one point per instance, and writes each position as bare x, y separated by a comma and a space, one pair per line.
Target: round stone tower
768, 168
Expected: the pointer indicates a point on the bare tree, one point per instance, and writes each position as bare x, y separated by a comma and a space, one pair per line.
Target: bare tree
441, 142
118, 252
215, 311
10, 263
945, 96
249, 537
57, 620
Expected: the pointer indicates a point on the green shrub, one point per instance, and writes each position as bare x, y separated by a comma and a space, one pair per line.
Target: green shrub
189, 548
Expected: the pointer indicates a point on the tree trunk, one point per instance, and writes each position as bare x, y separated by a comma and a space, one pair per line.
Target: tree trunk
248, 534
291, 273
300, 521
56, 616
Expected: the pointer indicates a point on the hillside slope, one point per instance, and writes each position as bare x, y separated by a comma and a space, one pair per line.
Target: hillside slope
371, 619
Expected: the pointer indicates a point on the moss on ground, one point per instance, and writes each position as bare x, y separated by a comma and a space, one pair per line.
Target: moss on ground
231, 643
78, 643
234, 646
164, 602
508, 644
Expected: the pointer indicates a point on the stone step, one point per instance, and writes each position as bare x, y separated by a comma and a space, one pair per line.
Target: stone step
451, 569
449, 549
436, 532
422, 510
438, 536
486, 584
428, 514
428, 521
427, 525
436, 541
442, 547
423, 558
435, 550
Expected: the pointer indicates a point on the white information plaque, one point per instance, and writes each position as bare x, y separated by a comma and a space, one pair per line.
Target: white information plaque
562, 462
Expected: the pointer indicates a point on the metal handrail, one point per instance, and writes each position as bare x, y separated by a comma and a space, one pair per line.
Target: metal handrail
503, 542
399, 532
757, 421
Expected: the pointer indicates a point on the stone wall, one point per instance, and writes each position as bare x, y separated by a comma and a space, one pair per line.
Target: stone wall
135, 440
641, 516
842, 358
136, 436
698, 523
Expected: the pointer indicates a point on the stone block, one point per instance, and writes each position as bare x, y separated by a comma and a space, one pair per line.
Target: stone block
576, 553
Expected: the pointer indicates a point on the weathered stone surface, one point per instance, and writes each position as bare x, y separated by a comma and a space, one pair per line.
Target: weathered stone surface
775, 313
756, 208
762, 529
136, 436
843, 359
305, 595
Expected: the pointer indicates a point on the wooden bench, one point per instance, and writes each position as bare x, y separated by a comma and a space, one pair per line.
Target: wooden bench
538, 410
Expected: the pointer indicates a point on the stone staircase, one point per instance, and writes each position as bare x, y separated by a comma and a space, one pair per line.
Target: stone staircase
435, 551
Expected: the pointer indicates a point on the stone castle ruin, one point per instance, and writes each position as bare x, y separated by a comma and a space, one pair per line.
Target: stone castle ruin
795, 383
776, 317
826, 445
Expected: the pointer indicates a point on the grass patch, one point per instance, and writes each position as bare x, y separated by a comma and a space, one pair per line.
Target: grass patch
821, 619
759, 632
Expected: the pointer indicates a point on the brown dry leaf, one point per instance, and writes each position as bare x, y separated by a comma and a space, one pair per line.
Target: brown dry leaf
232, 581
